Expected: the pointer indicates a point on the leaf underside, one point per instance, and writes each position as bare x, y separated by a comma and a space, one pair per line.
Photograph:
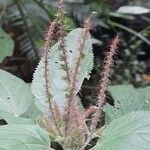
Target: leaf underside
58, 85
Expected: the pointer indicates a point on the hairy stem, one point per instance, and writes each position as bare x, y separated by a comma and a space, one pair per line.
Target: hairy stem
62, 39
104, 82
71, 107
48, 40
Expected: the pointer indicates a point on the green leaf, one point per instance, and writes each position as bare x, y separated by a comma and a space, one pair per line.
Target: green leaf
58, 85
5, 3
23, 137
127, 99
32, 112
15, 95
6, 45
129, 132
11, 119
69, 23
29, 117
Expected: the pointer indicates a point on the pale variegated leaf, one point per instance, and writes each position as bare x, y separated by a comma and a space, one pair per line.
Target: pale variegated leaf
58, 86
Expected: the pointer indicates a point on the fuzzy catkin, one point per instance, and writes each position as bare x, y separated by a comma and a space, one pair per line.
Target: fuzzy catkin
104, 81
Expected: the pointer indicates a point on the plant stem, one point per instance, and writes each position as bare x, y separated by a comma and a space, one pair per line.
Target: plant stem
104, 82
73, 82
86, 143
48, 40
61, 12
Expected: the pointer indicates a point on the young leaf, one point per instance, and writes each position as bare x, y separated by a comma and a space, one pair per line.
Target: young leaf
127, 99
6, 45
57, 80
129, 132
23, 137
15, 95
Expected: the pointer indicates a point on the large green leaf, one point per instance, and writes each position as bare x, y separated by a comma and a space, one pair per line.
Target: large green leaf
127, 99
29, 117
23, 137
6, 45
56, 74
15, 95
129, 132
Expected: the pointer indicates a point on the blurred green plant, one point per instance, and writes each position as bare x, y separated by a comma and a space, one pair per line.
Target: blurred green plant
133, 43
6, 45
31, 17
